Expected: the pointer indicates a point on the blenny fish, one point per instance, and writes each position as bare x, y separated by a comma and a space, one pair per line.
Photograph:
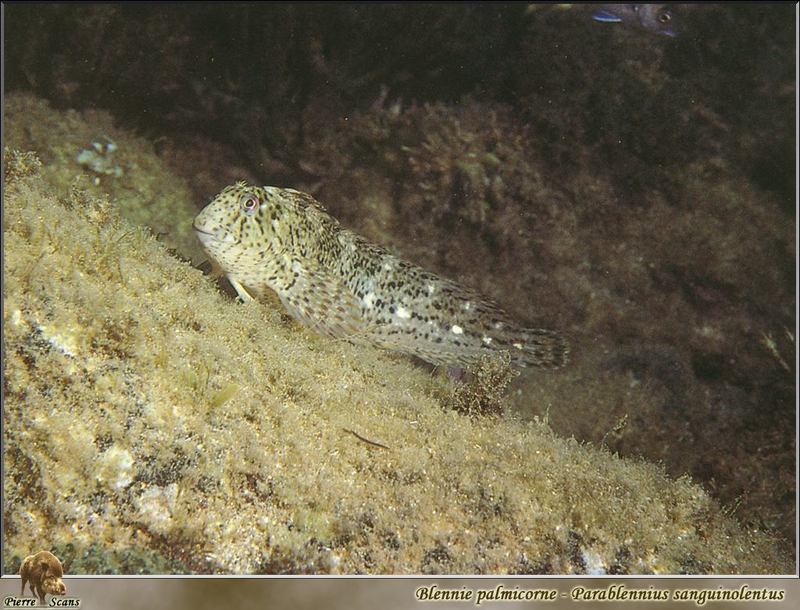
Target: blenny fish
339, 284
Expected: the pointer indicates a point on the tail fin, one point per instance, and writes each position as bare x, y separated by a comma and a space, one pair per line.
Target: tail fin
540, 348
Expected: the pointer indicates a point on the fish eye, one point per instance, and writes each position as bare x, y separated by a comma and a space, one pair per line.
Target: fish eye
665, 17
249, 204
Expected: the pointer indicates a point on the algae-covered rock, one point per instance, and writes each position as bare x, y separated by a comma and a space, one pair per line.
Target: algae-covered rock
148, 416
679, 302
635, 191
86, 150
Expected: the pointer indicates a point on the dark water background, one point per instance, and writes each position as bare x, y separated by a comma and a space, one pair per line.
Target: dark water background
247, 75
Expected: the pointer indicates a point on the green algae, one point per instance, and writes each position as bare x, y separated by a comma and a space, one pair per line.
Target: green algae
145, 194
123, 434
666, 287
644, 199
94, 559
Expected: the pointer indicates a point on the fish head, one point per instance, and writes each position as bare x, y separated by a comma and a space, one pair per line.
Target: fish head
243, 223
657, 18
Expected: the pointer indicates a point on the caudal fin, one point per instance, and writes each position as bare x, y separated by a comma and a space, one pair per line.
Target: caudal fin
540, 348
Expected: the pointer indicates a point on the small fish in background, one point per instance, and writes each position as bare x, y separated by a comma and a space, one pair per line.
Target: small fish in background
656, 18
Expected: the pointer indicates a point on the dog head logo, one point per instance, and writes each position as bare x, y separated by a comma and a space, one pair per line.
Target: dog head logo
43, 571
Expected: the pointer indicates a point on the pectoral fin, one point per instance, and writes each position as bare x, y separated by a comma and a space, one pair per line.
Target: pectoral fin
322, 302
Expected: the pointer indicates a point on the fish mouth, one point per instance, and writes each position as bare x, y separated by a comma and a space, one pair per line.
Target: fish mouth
207, 237
203, 231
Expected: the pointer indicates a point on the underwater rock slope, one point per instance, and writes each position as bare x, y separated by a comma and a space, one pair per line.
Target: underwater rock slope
145, 410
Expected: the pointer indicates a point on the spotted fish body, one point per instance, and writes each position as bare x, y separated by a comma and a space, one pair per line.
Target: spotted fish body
339, 284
